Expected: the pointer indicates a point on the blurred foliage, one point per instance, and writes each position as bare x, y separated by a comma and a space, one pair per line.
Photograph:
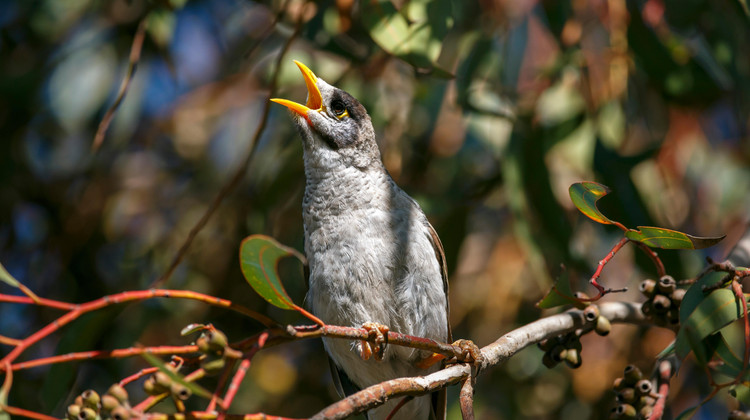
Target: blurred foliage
486, 112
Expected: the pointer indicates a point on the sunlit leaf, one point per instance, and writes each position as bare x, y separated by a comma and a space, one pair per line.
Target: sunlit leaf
7, 278
670, 239
559, 295
714, 312
259, 259
192, 328
418, 43
176, 377
741, 392
585, 195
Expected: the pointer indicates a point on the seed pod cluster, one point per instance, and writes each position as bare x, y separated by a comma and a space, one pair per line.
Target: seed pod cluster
160, 382
663, 300
563, 348
212, 343
113, 405
634, 395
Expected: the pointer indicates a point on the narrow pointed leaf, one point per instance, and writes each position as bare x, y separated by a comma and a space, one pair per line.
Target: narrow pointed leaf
670, 239
559, 295
176, 377
192, 328
713, 313
585, 195
259, 259
7, 278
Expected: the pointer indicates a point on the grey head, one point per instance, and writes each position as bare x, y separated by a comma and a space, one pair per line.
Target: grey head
335, 127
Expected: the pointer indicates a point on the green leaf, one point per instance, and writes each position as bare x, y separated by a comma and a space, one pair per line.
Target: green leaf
5, 277
726, 351
741, 392
715, 311
670, 239
418, 43
585, 195
559, 295
176, 377
259, 259
666, 352
695, 295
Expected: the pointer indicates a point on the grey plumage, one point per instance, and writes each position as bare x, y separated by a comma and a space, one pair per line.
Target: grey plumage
373, 256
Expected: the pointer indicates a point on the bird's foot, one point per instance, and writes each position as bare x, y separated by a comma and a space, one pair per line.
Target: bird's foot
374, 346
469, 352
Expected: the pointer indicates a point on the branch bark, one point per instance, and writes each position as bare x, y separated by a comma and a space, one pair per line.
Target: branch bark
494, 354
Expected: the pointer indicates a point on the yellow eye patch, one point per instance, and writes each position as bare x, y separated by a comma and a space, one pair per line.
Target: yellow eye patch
343, 114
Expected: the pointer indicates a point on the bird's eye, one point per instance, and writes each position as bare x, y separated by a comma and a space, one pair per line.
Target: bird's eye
339, 108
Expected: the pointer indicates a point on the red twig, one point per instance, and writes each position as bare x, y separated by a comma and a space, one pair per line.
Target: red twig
138, 375
39, 301
9, 341
234, 386
598, 272
20, 412
660, 270
127, 297
220, 385
665, 374
737, 288
104, 354
135, 56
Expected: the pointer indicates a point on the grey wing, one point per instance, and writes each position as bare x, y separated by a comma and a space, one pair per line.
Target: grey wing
344, 386
440, 398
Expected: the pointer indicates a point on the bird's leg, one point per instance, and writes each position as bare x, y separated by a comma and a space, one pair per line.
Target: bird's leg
378, 334
470, 353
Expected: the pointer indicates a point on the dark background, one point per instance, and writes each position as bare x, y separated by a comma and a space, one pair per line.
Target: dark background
485, 111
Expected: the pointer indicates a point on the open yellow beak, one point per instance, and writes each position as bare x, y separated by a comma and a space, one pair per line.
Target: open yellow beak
314, 99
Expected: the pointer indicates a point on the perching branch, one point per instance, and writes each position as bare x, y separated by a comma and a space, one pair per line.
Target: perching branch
494, 354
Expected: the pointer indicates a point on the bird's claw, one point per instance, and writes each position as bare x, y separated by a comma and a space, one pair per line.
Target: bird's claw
377, 339
469, 352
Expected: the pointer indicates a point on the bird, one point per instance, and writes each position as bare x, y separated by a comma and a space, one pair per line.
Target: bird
375, 261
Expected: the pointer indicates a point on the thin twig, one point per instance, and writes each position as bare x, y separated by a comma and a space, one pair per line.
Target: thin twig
135, 56
238, 174
104, 354
122, 298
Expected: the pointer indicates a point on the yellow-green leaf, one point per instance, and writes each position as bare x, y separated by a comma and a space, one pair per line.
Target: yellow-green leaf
259, 259
7, 278
670, 239
585, 195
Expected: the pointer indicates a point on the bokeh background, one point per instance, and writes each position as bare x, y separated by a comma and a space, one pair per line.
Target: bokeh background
485, 112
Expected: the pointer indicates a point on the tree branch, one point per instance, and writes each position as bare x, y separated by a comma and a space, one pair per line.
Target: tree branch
494, 354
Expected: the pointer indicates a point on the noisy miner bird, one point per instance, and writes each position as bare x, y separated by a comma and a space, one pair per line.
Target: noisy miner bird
375, 261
